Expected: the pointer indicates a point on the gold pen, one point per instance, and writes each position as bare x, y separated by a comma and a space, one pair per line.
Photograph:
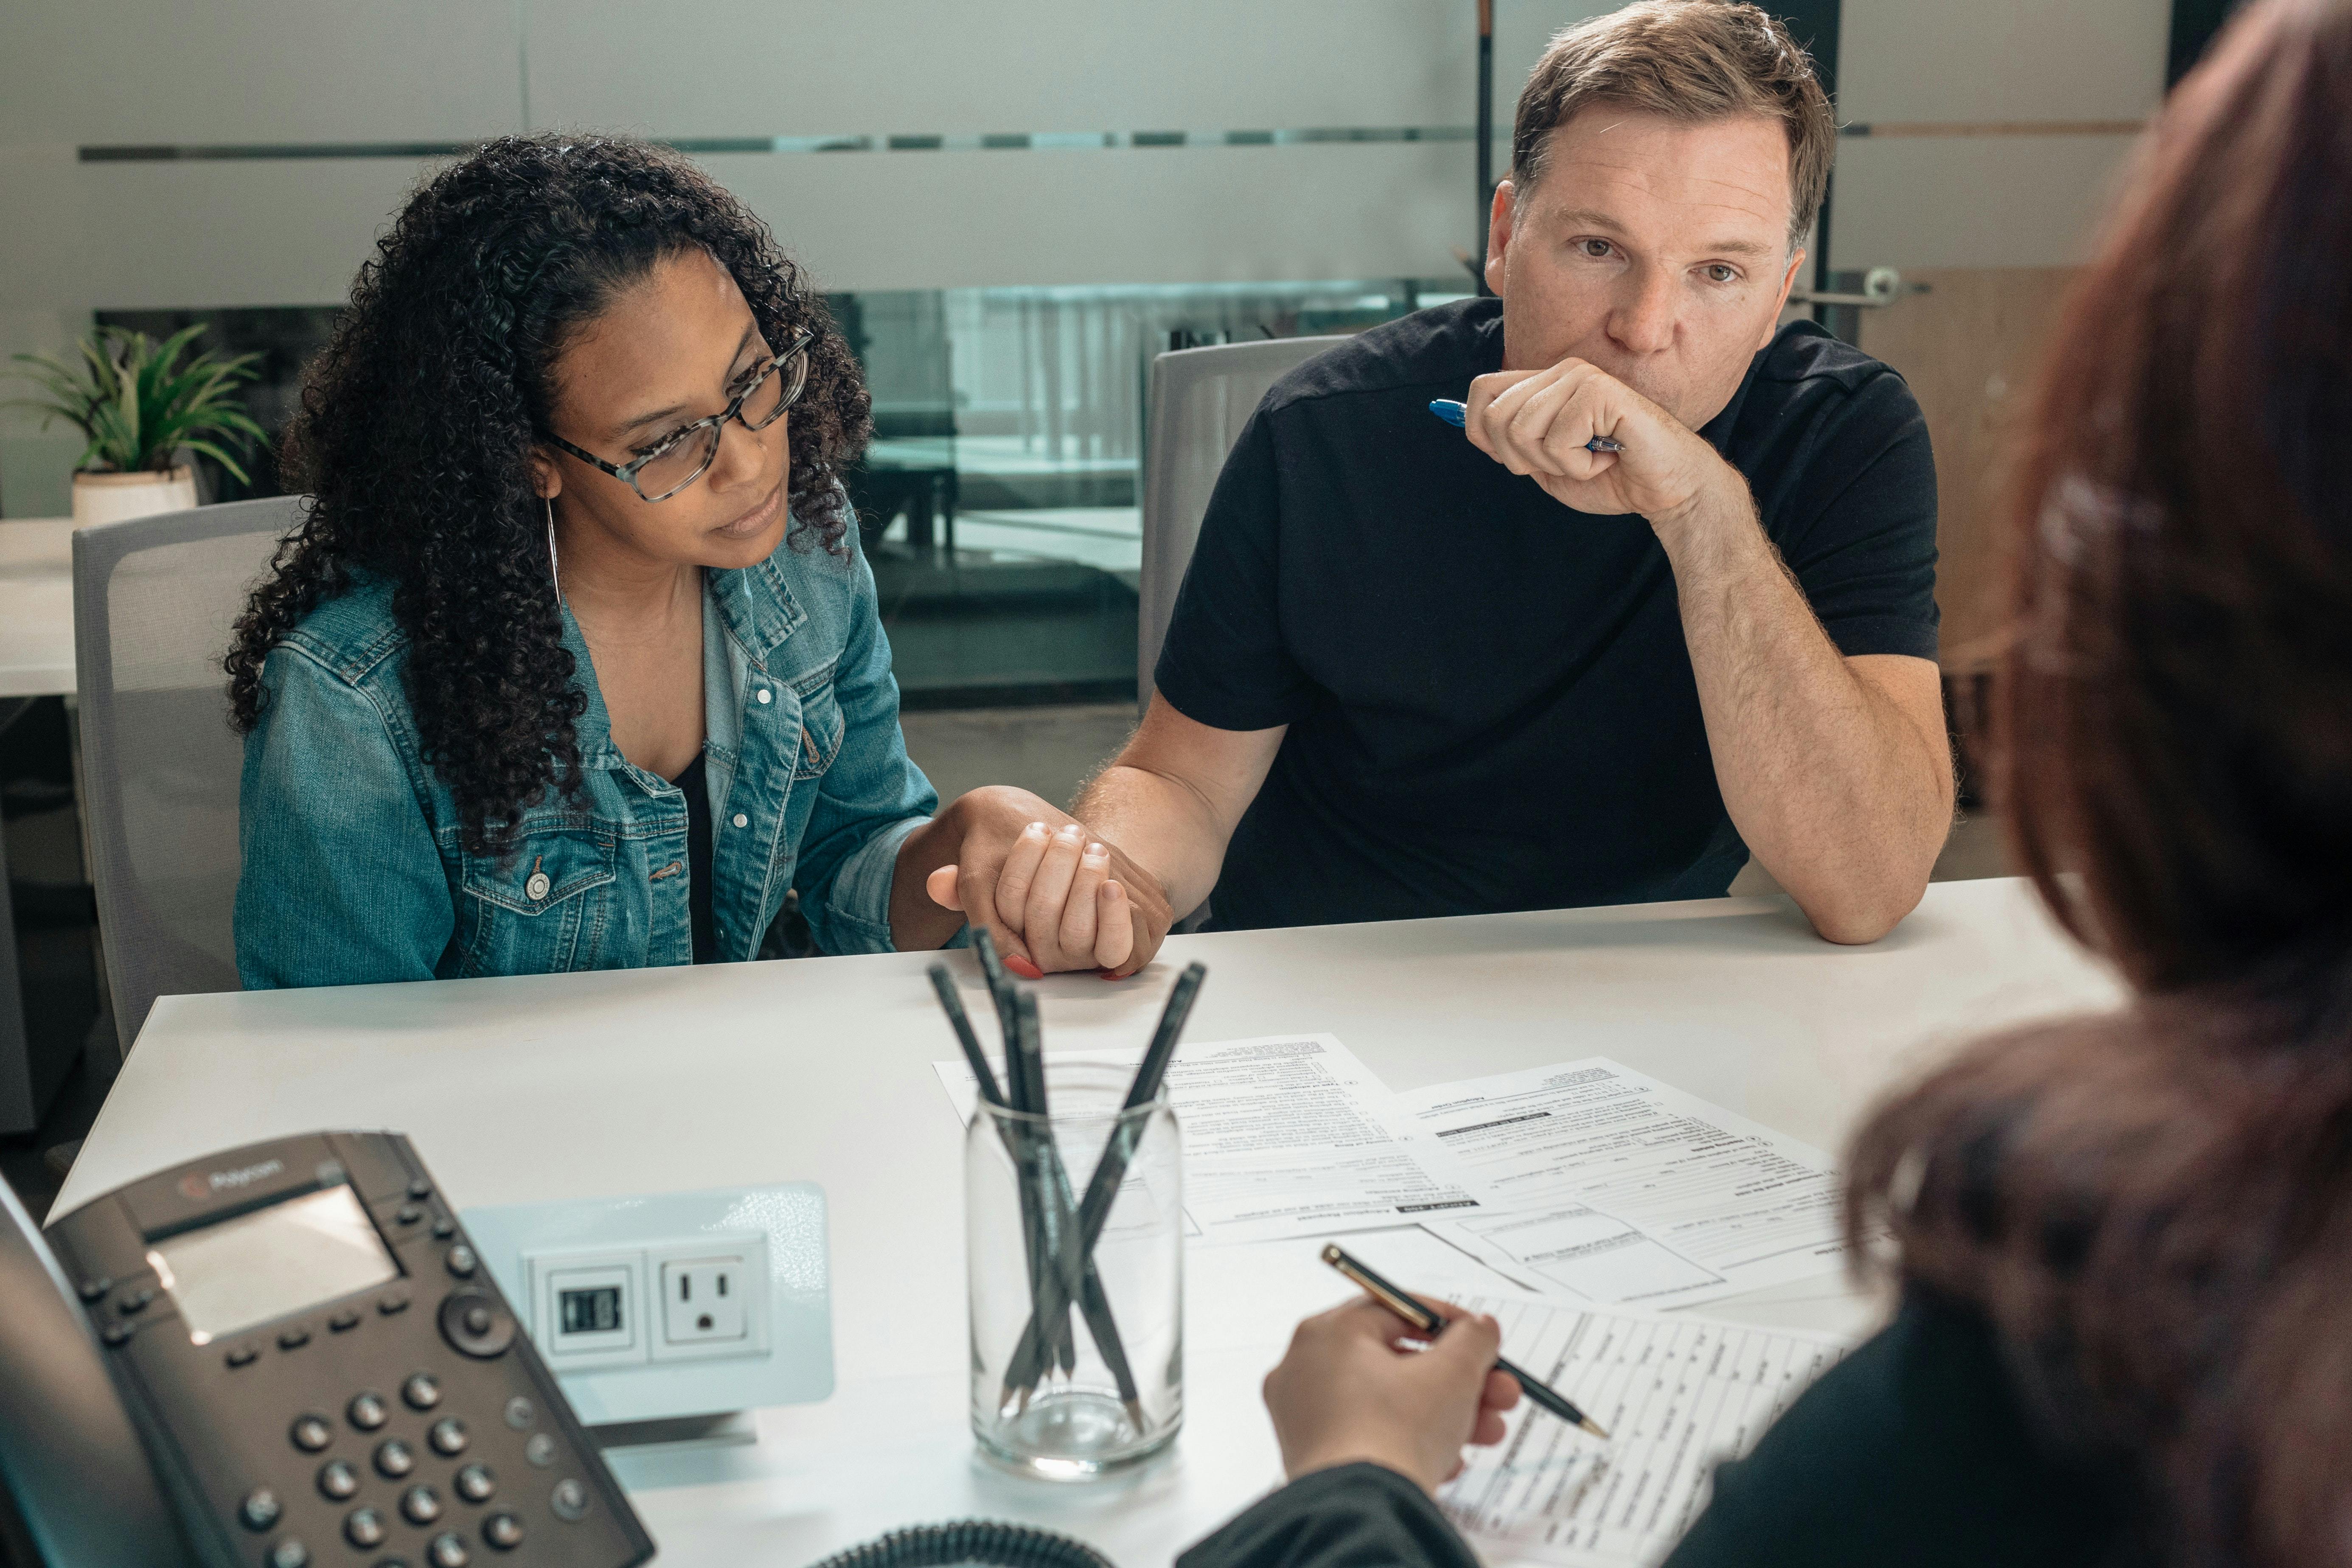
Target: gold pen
1426, 1321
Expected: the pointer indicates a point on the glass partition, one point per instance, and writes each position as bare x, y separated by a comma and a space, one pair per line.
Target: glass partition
1000, 498
999, 502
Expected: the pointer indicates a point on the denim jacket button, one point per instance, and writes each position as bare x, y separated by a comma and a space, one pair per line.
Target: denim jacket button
742, 820
536, 888
765, 695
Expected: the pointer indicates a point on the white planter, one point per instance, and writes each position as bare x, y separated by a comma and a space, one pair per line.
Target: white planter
113, 498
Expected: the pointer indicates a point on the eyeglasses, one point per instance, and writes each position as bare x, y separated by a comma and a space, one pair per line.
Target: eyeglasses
686, 452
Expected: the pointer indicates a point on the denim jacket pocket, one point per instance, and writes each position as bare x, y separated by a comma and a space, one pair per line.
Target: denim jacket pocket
542, 909
822, 726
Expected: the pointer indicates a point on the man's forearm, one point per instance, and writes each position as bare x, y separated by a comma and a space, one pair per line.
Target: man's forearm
1163, 825
1837, 791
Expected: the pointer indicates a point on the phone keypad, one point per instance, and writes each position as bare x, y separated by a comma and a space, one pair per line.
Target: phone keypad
421, 1504
392, 1474
369, 1526
364, 1527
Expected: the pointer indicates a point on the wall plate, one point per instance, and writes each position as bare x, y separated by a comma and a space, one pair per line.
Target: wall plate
535, 1251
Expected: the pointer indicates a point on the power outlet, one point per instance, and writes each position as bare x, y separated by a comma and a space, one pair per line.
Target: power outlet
714, 1297
702, 1302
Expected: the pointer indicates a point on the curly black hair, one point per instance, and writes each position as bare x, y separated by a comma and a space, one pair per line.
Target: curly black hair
418, 420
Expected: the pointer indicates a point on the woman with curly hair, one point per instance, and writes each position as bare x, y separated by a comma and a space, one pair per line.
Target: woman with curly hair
2123, 1243
574, 662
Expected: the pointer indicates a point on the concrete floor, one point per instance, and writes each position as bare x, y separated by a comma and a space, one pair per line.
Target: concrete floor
1050, 751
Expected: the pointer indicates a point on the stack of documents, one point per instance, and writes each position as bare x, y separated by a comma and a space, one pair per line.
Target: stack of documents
1678, 1394
1600, 1192
1586, 1180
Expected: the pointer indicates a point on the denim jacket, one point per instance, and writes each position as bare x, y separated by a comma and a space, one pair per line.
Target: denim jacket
354, 870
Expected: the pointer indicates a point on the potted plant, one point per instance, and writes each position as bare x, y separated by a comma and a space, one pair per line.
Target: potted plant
142, 409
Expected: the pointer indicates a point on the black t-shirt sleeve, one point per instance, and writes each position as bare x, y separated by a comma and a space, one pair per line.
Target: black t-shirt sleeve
1865, 549
1355, 1516
1912, 1450
1225, 663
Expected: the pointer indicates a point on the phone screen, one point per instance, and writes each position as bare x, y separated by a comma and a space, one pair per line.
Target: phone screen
263, 1265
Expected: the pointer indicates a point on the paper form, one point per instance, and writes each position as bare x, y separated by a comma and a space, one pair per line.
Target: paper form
1605, 1186
1283, 1136
1678, 1394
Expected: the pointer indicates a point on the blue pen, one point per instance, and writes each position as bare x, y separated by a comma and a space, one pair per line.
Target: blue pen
1458, 416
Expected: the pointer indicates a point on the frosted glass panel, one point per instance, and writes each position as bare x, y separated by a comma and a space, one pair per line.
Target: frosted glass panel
1990, 60
816, 66
257, 70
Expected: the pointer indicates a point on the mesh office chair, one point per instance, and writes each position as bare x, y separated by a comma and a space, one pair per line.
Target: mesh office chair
1200, 398
154, 599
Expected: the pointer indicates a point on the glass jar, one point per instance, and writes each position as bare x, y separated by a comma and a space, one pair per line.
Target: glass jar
1078, 1357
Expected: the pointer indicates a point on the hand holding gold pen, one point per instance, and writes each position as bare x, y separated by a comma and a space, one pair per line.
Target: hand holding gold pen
1425, 1320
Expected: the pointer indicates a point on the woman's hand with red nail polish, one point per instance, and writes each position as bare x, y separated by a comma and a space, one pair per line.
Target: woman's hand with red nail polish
1053, 896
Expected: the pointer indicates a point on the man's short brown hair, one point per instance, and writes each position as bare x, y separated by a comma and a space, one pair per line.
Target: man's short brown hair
1688, 60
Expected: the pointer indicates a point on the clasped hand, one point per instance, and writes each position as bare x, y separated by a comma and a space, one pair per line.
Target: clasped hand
1536, 422
1053, 896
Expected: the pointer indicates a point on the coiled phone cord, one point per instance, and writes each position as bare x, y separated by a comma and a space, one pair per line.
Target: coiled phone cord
984, 1541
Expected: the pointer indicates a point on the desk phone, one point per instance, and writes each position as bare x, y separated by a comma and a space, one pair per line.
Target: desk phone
323, 1372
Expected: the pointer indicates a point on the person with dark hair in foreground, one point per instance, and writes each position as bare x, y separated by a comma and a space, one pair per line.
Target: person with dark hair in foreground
572, 662
2122, 1242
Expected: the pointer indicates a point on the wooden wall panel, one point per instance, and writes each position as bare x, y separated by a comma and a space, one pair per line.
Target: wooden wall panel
1968, 347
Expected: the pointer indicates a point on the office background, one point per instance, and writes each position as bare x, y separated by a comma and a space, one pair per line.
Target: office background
1013, 207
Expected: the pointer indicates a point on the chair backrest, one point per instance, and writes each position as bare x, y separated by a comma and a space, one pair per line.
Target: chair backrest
1200, 398
154, 601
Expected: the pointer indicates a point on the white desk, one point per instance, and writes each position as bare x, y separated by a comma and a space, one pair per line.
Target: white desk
678, 1078
36, 639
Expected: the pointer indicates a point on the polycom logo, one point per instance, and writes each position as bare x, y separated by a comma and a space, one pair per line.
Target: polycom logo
196, 1188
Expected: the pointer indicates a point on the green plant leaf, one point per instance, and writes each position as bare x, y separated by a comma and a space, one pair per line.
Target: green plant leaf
49, 412
217, 456
134, 449
69, 396
140, 403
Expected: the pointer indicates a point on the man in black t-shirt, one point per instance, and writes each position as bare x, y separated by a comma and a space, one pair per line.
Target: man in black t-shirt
1666, 602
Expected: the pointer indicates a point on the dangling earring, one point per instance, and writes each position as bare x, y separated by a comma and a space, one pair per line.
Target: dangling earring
554, 571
